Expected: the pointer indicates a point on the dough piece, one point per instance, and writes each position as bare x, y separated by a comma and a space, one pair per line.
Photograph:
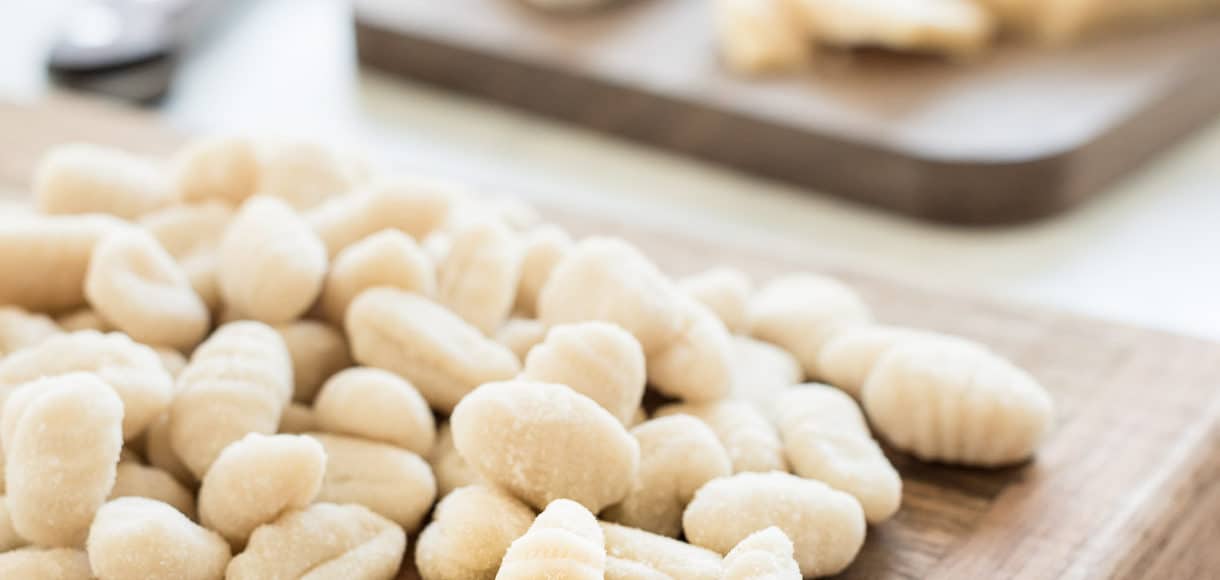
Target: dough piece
761, 36
322, 542
470, 532
957, 403
563, 542
825, 526
542, 442
954, 28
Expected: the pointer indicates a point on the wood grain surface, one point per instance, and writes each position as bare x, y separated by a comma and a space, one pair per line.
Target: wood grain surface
1126, 487
1020, 134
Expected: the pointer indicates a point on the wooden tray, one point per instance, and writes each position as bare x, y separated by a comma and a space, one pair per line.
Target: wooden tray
1126, 487
1022, 134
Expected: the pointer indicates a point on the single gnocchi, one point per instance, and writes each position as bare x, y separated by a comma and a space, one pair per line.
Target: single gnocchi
957, 403
596, 359
386, 258
237, 382
134, 284
801, 312
434, 349
304, 174
324, 542
544, 247
724, 291
563, 542
826, 438
542, 442
257, 478
826, 526
44, 259
678, 454
62, 437
412, 205
272, 264
478, 278
470, 533
220, 168
394, 483
135, 537
376, 405
82, 178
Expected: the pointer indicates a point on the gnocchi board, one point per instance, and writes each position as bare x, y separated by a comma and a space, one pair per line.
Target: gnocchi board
1020, 134
1126, 486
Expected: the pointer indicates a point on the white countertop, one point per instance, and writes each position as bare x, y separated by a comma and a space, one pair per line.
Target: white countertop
1144, 253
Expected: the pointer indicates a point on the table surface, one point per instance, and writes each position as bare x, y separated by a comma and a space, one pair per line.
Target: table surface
1141, 253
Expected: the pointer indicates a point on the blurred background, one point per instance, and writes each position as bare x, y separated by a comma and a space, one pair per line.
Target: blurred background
1142, 250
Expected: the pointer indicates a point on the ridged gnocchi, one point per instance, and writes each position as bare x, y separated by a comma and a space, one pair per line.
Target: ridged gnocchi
563, 542
957, 403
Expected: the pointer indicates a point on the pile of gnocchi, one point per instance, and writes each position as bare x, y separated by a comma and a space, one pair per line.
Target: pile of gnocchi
261, 360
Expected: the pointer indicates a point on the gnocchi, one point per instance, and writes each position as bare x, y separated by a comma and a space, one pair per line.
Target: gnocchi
396, 484
322, 541
44, 259
46, 564
237, 382
724, 291
135, 537
255, 479
826, 438
660, 554
222, 168
678, 454
764, 555
62, 437
135, 480
134, 284
271, 264
542, 442
826, 526
19, 329
318, 351
192, 234
478, 278
596, 359
81, 178
470, 533
434, 349
801, 312
130, 369
376, 405
521, 335
544, 247
563, 542
412, 205
386, 258
957, 403
749, 439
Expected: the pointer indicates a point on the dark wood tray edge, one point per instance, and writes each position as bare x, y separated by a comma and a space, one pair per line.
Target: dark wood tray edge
962, 193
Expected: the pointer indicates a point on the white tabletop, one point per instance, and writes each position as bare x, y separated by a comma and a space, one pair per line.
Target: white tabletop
1144, 252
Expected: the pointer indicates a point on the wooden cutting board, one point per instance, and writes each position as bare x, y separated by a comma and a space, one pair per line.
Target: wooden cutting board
1020, 134
1126, 486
